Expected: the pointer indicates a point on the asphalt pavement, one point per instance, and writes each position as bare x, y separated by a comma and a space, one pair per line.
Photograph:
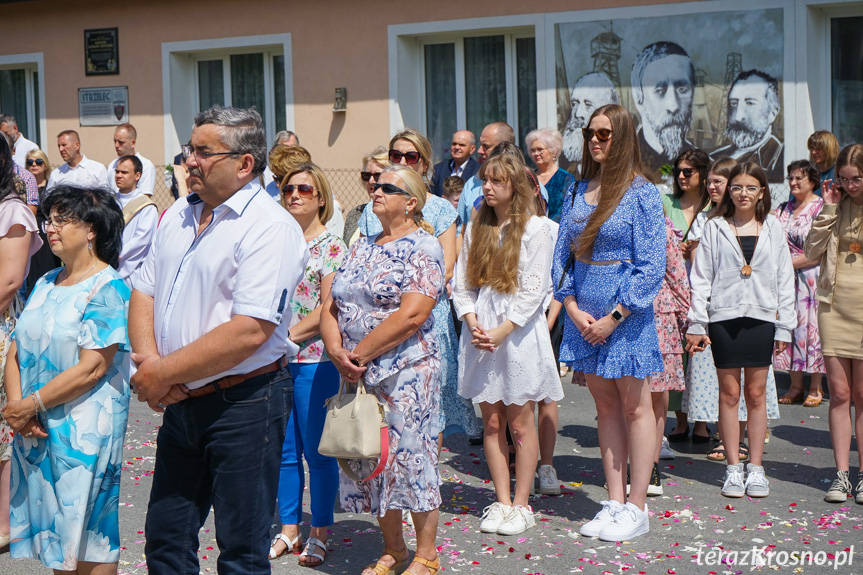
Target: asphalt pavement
693, 529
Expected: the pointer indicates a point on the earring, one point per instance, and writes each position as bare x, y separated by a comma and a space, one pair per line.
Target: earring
406, 211
90, 246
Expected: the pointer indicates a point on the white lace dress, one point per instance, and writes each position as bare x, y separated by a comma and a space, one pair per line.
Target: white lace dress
522, 369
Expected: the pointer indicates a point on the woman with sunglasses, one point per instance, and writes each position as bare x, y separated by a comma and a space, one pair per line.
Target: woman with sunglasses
43, 260
306, 195
373, 165
742, 304
413, 150
836, 238
609, 263
377, 325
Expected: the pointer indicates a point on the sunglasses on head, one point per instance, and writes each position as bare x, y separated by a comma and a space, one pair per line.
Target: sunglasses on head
304, 190
602, 134
390, 190
36, 161
410, 157
366, 176
687, 172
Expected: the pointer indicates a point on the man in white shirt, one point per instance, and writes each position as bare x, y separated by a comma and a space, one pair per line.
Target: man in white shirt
208, 324
125, 138
78, 169
139, 214
22, 145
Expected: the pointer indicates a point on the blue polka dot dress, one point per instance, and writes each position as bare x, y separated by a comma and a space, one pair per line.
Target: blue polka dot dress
634, 235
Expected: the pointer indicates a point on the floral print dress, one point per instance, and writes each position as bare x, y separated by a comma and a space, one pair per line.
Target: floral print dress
366, 290
670, 308
804, 353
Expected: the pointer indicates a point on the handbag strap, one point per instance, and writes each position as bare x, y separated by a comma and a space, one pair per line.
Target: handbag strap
382, 462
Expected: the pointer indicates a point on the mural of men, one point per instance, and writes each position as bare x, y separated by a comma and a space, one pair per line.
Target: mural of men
590, 92
753, 106
663, 79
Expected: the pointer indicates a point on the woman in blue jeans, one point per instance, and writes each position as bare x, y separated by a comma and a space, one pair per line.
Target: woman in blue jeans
307, 196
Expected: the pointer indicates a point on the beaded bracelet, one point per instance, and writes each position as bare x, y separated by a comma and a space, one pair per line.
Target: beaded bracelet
36, 405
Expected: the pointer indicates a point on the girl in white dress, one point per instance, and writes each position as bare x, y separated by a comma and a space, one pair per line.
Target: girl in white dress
506, 362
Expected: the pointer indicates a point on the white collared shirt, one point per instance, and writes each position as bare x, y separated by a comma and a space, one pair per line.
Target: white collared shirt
87, 173
248, 261
137, 236
23, 146
146, 184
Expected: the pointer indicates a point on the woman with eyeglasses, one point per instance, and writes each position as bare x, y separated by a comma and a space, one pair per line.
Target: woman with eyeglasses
609, 263
411, 149
804, 354
373, 164
43, 260
377, 325
682, 206
836, 238
307, 196
701, 398
742, 306
544, 146
68, 384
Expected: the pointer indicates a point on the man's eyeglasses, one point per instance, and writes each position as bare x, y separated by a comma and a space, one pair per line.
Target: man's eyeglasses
410, 157
303, 190
366, 176
750, 190
34, 162
602, 134
188, 151
852, 182
687, 172
390, 190
56, 223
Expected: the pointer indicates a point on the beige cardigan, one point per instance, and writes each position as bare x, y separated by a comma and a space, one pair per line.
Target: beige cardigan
823, 243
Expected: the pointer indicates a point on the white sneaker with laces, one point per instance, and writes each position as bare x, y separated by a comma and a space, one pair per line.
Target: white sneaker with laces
548, 482
605, 516
665, 451
493, 516
733, 485
629, 521
518, 520
756, 482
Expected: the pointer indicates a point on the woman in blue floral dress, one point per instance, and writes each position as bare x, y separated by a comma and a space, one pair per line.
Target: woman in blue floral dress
378, 325
69, 391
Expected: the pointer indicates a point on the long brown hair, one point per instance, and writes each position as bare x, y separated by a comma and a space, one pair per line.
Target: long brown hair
762, 206
851, 155
493, 260
615, 174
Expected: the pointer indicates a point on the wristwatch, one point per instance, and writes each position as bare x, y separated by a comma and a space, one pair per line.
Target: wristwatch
617, 316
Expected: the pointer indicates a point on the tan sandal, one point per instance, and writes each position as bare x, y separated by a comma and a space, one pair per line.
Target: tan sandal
432, 566
814, 399
402, 562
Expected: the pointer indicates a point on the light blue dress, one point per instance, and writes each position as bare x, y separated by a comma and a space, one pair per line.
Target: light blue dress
456, 411
66, 488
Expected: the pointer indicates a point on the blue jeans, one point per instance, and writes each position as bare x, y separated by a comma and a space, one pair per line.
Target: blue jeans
313, 384
220, 450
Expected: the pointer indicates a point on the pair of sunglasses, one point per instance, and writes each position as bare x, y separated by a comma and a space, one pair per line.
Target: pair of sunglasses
35, 161
304, 190
410, 157
687, 172
602, 134
391, 190
366, 176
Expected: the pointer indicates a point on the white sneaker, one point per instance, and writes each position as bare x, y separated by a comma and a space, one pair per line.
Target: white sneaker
756, 482
548, 483
605, 516
665, 451
493, 516
733, 485
629, 521
518, 520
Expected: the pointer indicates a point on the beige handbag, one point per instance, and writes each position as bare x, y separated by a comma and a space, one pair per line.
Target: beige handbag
355, 427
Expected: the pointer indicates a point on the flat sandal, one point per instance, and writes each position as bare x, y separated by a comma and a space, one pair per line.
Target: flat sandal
402, 562
432, 566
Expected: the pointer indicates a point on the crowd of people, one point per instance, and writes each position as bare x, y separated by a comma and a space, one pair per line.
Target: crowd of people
470, 282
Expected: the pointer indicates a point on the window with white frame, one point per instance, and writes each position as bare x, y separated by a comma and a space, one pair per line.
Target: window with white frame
19, 97
473, 80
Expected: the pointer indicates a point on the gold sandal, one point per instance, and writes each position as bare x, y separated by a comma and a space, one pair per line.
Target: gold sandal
402, 562
432, 566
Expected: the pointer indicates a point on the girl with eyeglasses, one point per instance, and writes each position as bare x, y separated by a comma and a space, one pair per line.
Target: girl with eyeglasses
742, 303
835, 238
609, 263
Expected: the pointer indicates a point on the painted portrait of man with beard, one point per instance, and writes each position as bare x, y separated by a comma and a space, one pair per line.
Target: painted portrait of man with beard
590, 92
753, 105
663, 80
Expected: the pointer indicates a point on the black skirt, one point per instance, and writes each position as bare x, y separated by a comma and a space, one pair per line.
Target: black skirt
741, 342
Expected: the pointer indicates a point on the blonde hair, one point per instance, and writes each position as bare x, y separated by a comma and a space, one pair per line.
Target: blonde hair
283, 159
493, 260
37, 153
826, 142
851, 155
414, 185
379, 156
325, 212
422, 145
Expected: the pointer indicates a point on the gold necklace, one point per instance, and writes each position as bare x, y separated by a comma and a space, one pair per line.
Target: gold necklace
746, 270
